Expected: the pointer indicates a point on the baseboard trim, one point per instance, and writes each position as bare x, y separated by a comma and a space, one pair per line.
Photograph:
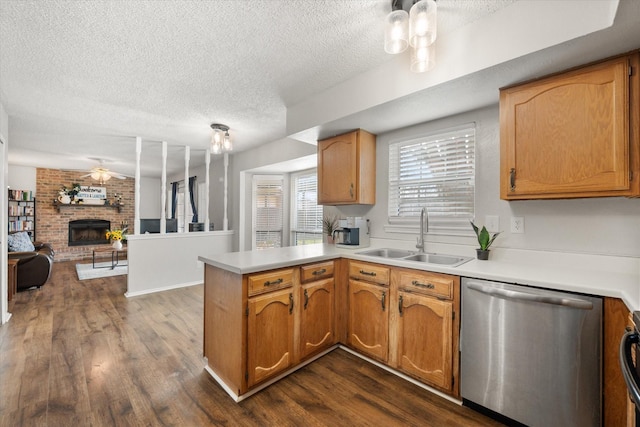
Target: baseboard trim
239, 398
165, 288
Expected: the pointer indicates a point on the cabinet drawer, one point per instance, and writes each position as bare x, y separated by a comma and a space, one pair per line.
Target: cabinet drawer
439, 285
312, 272
372, 273
270, 281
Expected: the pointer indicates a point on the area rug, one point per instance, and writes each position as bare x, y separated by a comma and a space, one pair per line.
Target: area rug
86, 271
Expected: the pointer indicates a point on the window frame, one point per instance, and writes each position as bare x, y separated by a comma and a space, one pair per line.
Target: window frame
257, 180
452, 225
293, 229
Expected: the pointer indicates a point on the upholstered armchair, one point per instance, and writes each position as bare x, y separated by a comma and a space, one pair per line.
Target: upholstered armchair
34, 267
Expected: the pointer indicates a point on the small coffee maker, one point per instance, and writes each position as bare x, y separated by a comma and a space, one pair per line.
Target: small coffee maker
355, 232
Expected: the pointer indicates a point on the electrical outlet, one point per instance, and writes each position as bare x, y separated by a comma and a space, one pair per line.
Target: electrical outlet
517, 225
492, 222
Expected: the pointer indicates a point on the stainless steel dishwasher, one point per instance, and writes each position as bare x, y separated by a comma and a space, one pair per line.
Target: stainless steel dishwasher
530, 354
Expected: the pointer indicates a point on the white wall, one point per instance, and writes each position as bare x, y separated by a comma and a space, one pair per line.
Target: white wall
608, 225
4, 166
267, 154
159, 262
22, 178
150, 198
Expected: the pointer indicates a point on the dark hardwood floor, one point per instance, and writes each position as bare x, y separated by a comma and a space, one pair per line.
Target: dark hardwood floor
81, 354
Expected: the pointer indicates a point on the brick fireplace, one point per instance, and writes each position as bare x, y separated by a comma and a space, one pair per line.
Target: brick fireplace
52, 222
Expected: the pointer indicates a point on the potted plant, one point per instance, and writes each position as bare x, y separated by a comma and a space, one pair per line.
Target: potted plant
116, 235
329, 225
485, 240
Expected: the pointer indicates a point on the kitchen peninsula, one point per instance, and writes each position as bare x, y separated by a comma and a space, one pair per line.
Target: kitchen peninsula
270, 312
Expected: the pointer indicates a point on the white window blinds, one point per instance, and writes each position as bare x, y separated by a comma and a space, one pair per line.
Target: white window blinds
306, 213
268, 200
436, 172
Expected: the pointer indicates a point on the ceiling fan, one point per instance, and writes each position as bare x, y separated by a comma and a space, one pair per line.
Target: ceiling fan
102, 174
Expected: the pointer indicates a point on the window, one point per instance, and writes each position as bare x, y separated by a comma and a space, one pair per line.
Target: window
436, 172
267, 216
306, 224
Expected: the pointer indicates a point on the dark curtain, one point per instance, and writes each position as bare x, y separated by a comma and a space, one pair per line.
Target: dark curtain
192, 184
174, 199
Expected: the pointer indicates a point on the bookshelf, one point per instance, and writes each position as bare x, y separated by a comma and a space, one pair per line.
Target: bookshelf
22, 212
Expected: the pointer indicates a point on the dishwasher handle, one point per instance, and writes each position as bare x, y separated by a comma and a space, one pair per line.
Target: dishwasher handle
524, 296
626, 364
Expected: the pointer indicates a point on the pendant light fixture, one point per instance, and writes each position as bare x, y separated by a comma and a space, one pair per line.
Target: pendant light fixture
220, 140
417, 29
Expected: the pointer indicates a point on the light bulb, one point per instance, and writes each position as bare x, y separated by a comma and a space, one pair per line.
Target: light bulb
396, 38
423, 23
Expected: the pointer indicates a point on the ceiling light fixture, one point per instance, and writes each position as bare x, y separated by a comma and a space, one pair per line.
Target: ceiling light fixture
100, 175
220, 140
417, 29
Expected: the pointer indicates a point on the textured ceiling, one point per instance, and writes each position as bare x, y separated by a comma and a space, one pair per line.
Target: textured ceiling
80, 79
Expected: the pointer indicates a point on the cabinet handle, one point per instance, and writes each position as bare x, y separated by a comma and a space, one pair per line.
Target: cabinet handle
384, 298
368, 273
306, 299
400, 305
351, 190
290, 303
422, 285
275, 282
512, 179
319, 272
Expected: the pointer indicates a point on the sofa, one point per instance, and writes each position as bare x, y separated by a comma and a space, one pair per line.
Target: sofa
34, 266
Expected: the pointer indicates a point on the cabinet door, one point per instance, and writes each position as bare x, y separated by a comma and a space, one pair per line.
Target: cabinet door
369, 319
269, 335
425, 338
316, 320
337, 171
569, 135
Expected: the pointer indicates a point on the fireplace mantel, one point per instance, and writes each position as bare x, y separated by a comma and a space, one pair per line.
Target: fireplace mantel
78, 205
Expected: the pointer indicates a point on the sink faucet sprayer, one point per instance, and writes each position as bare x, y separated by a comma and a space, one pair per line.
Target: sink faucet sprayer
424, 217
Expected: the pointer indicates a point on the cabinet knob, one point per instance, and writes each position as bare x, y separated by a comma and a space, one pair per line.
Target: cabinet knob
384, 299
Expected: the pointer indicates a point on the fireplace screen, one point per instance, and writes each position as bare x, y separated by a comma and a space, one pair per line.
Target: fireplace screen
88, 232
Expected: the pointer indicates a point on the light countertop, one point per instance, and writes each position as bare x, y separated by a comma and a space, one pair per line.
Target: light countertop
617, 277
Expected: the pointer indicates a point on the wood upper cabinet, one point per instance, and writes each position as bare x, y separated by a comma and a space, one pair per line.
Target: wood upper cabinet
423, 333
270, 347
573, 134
317, 303
347, 169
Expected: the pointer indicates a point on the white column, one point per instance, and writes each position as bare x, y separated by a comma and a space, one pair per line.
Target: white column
225, 221
136, 193
207, 164
187, 200
163, 188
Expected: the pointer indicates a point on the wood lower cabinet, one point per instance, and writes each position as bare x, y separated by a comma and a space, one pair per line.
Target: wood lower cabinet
573, 134
262, 325
618, 409
423, 331
347, 169
317, 309
269, 335
369, 319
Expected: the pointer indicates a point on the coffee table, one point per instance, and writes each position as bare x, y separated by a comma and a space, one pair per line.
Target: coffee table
115, 256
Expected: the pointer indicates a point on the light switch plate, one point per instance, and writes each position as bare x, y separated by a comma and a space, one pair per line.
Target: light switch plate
517, 225
492, 222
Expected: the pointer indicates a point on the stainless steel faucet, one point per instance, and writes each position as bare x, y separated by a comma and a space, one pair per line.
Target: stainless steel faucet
424, 218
